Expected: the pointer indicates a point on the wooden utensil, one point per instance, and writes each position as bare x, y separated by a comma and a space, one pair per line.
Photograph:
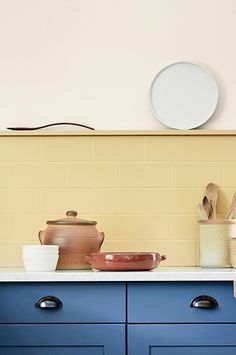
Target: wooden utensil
207, 207
202, 212
212, 195
48, 125
232, 207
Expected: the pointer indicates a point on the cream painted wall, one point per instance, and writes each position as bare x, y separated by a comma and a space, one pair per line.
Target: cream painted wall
92, 61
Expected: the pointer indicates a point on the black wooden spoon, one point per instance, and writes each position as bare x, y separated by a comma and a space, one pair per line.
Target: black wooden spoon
48, 125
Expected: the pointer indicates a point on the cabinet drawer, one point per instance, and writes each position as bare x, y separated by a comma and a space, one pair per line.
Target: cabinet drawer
169, 302
82, 302
182, 339
62, 339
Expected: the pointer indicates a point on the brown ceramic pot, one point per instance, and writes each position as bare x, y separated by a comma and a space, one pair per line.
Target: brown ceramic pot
124, 261
76, 238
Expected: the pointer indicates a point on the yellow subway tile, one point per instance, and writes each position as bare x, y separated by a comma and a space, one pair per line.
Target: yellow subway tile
18, 227
178, 253
21, 201
229, 175
118, 149
92, 175
144, 175
6, 175
17, 149
8, 230
146, 245
195, 174
215, 149
60, 201
170, 148
224, 200
40, 175
66, 149
123, 227
11, 253
183, 227
144, 201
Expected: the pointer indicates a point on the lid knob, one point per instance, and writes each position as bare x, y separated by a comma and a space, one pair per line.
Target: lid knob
71, 213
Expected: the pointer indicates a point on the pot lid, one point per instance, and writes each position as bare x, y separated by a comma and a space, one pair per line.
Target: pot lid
71, 219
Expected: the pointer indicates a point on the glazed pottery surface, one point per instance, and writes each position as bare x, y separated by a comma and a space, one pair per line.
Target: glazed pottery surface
124, 261
76, 239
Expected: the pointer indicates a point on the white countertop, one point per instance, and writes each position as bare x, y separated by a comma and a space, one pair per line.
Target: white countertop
159, 274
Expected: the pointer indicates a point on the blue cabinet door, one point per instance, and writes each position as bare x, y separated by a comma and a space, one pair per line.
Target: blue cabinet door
83, 302
182, 339
169, 302
62, 339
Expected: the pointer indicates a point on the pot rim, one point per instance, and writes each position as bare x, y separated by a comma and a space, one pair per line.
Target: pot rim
71, 219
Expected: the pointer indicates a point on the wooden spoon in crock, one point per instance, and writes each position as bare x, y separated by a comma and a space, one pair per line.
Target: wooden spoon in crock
212, 196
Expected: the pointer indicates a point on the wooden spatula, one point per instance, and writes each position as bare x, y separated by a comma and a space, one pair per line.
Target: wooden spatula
207, 207
212, 195
232, 207
202, 212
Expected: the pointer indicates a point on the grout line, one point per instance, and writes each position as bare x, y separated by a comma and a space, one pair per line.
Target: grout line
92, 150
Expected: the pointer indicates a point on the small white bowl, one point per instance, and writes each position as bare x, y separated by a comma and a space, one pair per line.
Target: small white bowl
40, 248
36, 255
40, 252
40, 262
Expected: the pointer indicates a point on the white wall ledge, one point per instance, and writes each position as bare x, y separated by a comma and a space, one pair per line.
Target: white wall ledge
119, 133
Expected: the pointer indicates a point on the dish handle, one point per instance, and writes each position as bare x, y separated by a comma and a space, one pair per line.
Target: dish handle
88, 259
163, 257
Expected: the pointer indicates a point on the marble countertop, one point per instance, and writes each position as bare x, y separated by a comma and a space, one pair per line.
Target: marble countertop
158, 274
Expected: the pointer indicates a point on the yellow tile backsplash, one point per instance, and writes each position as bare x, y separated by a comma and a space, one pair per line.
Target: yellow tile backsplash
115, 149
144, 174
16, 149
142, 190
194, 174
65, 149
170, 148
92, 175
40, 175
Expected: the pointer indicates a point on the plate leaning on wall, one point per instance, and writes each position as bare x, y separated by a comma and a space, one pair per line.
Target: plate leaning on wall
183, 95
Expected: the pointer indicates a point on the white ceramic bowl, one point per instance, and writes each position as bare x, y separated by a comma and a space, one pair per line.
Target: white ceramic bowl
40, 248
45, 252
40, 262
33, 255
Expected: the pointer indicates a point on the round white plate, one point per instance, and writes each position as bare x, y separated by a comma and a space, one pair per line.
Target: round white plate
183, 95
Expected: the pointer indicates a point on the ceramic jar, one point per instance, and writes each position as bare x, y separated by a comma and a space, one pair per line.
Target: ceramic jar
76, 238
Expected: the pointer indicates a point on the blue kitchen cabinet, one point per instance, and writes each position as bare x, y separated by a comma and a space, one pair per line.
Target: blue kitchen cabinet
62, 318
117, 318
182, 339
181, 318
62, 339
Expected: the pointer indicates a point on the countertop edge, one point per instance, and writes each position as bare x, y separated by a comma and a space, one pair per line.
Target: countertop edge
168, 274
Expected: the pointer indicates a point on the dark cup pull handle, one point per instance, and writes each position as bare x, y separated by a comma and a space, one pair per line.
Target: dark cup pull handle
48, 302
204, 301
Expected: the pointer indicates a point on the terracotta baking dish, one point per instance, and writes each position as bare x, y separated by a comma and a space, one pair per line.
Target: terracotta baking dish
124, 261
